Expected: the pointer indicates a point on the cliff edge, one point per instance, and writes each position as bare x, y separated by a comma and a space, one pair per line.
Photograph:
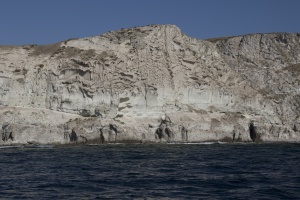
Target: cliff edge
151, 84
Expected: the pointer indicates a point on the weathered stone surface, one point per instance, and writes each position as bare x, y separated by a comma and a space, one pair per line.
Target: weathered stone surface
151, 84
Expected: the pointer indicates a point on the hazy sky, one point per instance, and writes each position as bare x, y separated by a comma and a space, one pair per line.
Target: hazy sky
49, 21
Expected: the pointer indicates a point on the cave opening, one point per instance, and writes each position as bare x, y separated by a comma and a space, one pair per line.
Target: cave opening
73, 136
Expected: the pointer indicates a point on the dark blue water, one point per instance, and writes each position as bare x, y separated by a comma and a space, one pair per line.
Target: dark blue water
195, 171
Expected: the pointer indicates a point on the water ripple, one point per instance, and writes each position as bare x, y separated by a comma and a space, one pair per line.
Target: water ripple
177, 171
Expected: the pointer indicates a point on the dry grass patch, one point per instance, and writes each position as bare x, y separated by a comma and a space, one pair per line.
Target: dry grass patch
294, 69
46, 49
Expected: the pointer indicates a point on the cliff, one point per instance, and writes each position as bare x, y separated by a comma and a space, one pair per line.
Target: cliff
151, 84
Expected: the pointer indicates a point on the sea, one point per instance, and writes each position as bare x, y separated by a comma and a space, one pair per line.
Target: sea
151, 171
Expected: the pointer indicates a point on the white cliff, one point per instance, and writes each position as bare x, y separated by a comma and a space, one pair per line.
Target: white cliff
151, 84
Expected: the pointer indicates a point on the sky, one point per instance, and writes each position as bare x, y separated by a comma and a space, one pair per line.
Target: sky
50, 21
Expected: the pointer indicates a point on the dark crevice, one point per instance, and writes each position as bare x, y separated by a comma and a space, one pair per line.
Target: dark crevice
164, 131
252, 131
113, 127
295, 128
184, 134
159, 133
233, 136
10, 136
80, 63
7, 133
102, 139
73, 136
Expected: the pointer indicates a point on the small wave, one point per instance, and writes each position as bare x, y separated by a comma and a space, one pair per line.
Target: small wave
201, 143
39, 146
115, 143
10, 147
45, 146
196, 143
105, 144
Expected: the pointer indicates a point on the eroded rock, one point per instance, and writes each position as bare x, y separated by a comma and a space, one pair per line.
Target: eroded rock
115, 87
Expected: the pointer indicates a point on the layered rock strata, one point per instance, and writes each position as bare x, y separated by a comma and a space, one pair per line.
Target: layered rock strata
151, 84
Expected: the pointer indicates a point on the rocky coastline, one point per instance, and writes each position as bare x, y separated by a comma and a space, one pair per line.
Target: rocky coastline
151, 84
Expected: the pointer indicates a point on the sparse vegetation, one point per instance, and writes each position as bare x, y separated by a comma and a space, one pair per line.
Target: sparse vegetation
294, 69
45, 49
269, 94
282, 53
72, 51
219, 39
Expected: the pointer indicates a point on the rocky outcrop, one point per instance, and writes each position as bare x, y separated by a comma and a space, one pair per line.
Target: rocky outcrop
151, 84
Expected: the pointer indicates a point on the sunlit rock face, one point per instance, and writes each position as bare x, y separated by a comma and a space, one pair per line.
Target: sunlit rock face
151, 84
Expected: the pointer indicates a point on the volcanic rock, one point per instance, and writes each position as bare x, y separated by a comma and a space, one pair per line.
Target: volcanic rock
151, 84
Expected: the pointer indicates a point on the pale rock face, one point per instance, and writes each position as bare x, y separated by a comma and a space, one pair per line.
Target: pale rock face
151, 84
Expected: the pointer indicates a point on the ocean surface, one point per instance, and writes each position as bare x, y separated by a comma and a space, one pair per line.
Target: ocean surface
151, 171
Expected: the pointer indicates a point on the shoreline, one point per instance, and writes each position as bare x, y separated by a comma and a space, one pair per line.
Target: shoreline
142, 144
